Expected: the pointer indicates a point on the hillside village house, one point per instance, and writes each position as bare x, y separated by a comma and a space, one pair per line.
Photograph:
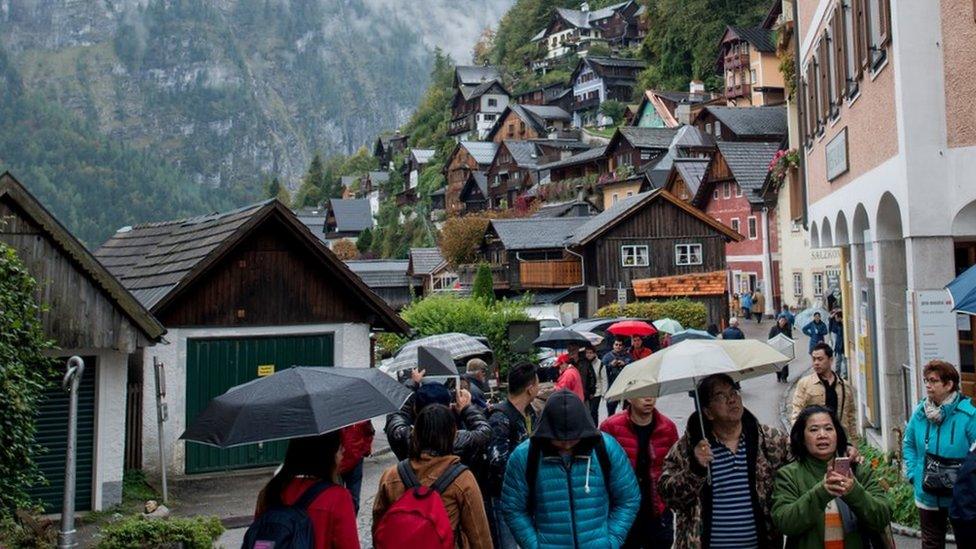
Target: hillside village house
428, 267
589, 163
346, 219
685, 177
632, 148
573, 31
649, 235
749, 66
513, 171
387, 147
743, 123
557, 94
670, 109
889, 149
478, 100
467, 157
524, 122
414, 165
474, 194
596, 80
242, 294
86, 312
730, 193
387, 278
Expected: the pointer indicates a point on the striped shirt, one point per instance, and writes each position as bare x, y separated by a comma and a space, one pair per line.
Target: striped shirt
733, 522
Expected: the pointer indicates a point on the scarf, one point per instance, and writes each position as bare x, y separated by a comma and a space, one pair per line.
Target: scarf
936, 412
833, 527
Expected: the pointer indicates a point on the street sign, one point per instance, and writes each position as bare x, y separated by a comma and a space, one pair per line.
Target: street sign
265, 370
621, 297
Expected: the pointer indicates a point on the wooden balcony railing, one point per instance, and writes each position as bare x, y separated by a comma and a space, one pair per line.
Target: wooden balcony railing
499, 275
563, 273
460, 124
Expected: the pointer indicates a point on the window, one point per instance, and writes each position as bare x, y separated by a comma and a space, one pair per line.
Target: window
818, 284
630, 194
715, 194
753, 232
738, 189
645, 155
614, 198
521, 127
708, 127
727, 190
688, 254
718, 129
798, 284
852, 70
492, 102
489, 117
735, 224
752, 76
634, 256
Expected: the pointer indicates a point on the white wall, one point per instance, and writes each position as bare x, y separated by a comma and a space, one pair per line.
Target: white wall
351, 351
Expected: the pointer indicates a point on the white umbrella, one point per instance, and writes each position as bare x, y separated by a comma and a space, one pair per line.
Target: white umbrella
784, 345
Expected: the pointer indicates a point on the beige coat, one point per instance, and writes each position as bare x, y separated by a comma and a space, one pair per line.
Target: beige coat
810, 391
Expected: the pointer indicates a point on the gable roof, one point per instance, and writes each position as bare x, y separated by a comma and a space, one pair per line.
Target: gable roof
483, 152
691, 170
749, 164
424, 261
583, 19
314, 219
535, 116
601, 66
381, 177
157, 261
756, 122
472, 92
476, 179
381, 273
643, 138
590, 155
351, 214
620, 211
524, 153
347, 180
531, 233
422, 156
473, 75
566, 209
82, 259
757, 37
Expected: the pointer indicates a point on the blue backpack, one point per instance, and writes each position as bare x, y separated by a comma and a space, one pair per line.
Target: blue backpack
963, 507
286, 526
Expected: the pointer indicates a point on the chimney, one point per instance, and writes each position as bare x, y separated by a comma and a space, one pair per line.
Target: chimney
585, 6
696, 86
683, 113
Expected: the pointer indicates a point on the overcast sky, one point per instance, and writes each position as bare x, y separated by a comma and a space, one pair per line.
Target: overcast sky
453, 25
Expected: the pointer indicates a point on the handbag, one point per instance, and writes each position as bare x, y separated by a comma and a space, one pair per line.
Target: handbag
940, 475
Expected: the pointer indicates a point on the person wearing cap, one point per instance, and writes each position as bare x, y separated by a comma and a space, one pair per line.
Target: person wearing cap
733, 331
569, 376
569, 485
473, 432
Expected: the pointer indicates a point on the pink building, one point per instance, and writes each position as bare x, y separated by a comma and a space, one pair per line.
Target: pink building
730, 193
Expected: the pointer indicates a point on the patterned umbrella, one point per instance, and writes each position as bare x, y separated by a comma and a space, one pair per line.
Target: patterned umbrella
632, 328
459, 345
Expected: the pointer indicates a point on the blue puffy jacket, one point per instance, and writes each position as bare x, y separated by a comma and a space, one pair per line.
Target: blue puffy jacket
950, 439
566, 513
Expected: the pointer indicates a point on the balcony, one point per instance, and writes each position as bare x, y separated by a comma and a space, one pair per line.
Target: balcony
563, 273
586, 104
499, 275
736, 60
740, 90
461, 124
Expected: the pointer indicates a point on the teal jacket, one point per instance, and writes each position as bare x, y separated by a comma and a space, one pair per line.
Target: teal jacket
573, 507
800, 499
950, 439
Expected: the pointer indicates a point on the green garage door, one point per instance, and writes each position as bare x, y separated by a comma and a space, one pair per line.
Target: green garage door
52, 434
215, 365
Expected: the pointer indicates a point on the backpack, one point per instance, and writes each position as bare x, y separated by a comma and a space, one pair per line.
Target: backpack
535, 456
418, 518
286, 526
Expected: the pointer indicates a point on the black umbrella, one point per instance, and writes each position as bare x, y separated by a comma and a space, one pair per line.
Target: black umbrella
435, 361
560, 339
296, 402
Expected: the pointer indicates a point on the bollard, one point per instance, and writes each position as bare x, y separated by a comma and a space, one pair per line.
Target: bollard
72, 379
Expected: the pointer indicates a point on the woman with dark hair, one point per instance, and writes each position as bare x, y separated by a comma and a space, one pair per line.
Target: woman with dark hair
431, 445
822, 499
309, 461
941, 430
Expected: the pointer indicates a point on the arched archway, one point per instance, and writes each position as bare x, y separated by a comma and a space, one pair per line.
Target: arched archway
814, 235
842, 236
826, 234
889, 218
964, 224
861, 223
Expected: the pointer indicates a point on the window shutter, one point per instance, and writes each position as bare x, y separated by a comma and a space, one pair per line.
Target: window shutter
840, 54
884, 16
864, 35
812, 97
823, 66
855, 7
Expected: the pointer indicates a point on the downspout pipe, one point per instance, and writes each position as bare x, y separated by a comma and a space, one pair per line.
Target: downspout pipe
801, 109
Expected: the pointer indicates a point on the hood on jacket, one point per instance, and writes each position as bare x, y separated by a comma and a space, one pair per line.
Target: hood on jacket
565, 417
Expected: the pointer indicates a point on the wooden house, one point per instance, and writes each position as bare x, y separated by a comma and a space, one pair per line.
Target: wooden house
743, 123
591, 162
430, 269
467, 157
346, 218
669, 109
417, 160
475, 109
474, 194
524, 122
514, 170
652, 234
387, 147
574, 31
387, 278
731, 193
632, 148
557, 94
685, 177
85, 312
242, 294
748, 64
596, 80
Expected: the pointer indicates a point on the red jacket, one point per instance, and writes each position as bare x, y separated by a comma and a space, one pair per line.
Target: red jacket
570, 379
332, 514
664, 436
637, 355
357, 443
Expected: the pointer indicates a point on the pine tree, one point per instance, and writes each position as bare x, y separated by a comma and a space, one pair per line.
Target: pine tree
276, 190
365, 241
483, 287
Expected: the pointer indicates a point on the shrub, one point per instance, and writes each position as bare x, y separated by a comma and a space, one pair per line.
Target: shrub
24, 373
138, 531
345, 249
483, 287
440, 314
691, 314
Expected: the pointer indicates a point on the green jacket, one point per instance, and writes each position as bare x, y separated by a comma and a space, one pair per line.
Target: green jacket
799, 501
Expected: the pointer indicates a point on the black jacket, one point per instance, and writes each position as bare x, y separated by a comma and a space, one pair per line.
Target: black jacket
508, 430
776, 330
587, 376
470, 441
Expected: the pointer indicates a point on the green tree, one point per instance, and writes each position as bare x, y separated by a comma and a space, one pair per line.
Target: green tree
277, 190
365, 240
24, 374
614, 110
359, 163
483, 287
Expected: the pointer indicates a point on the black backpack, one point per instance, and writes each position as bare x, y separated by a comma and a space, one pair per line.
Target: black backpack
286, 526
535, 456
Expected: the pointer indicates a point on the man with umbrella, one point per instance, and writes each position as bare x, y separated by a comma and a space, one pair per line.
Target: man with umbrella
719, 481
614, 361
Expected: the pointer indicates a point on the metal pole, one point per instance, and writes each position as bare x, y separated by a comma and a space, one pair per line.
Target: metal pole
72, 379
162, 413
701, 422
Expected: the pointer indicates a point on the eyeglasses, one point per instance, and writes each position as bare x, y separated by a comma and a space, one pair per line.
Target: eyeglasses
932, 380
726, 397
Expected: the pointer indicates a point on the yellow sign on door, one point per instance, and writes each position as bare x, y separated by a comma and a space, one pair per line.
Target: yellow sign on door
265, 370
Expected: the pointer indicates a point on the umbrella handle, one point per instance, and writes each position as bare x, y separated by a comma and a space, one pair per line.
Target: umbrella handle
701, 422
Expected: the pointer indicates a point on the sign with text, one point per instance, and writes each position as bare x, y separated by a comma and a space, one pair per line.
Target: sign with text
932, 328
870, 259
836, 153
265, 370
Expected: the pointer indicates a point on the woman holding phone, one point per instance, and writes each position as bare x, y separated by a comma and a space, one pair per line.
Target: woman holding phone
822, 499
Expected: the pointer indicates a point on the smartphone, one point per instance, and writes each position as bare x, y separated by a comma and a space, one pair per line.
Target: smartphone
842, 465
